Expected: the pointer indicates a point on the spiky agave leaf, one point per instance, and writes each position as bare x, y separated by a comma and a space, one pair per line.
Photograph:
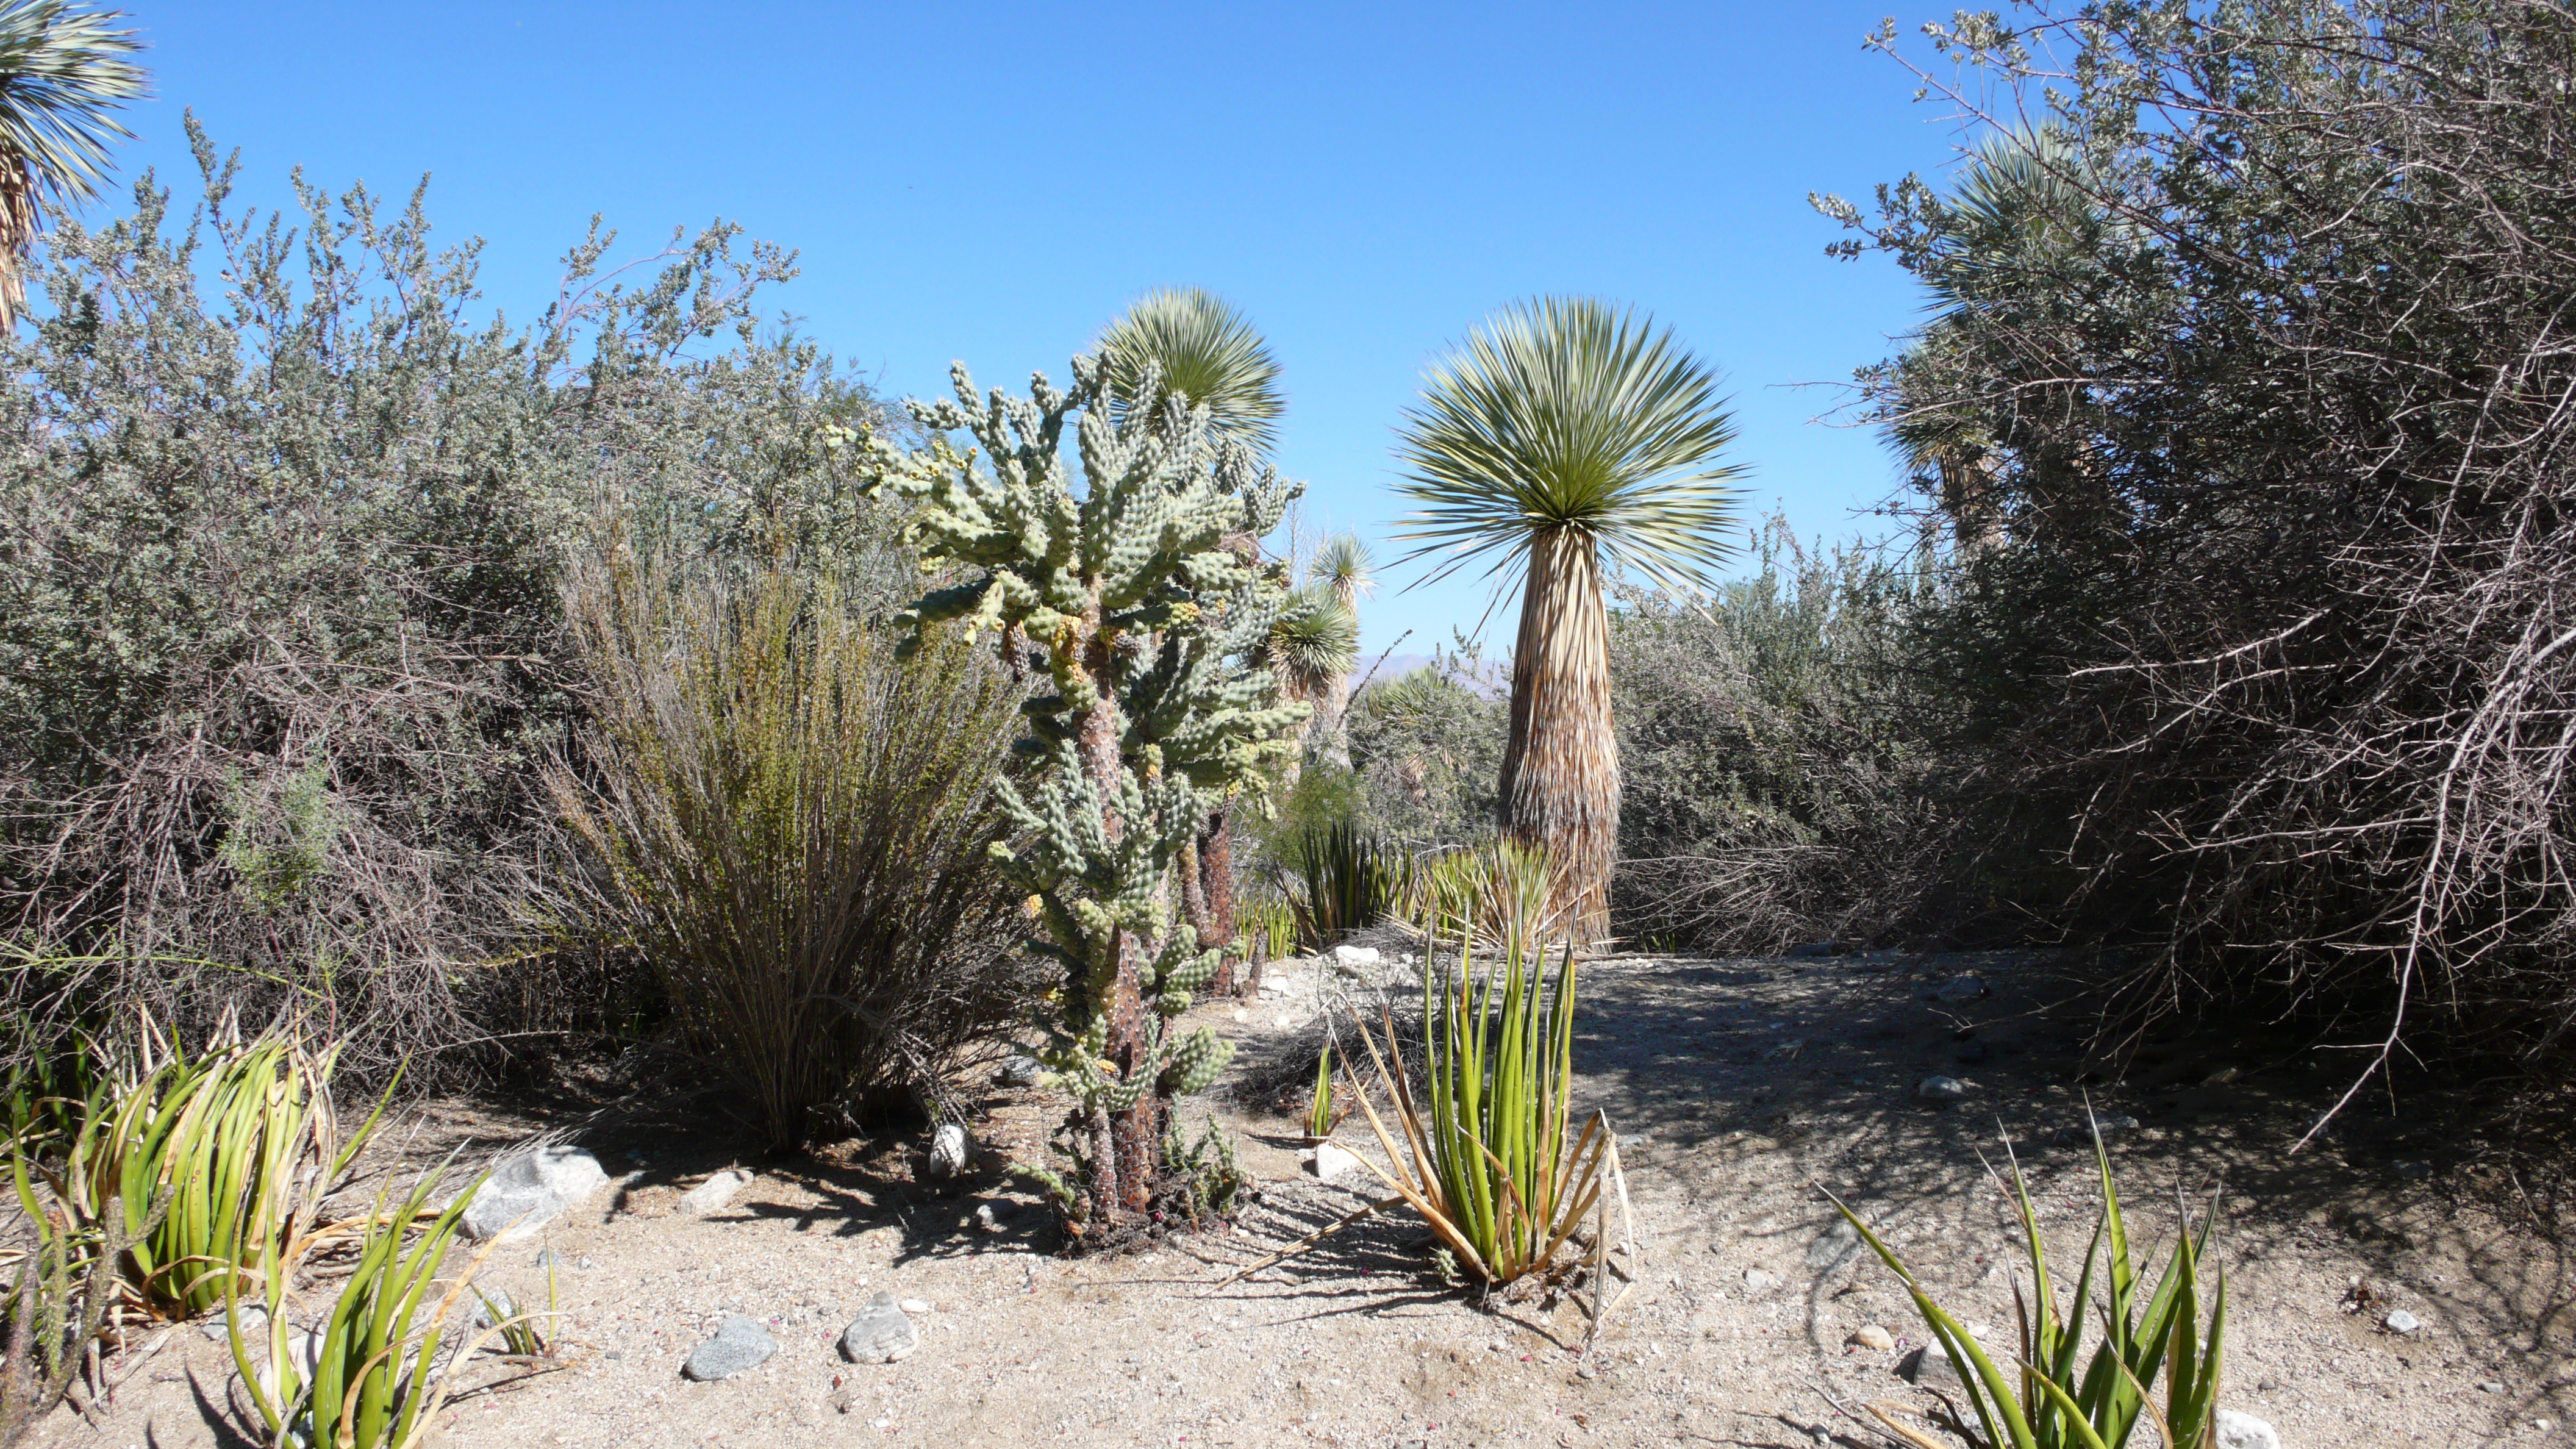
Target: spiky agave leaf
64, 71
1204, 350
1565, 415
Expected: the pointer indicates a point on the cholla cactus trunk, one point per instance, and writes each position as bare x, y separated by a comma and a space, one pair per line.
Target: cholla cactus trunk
1215, 862
1147, 625
1561, 764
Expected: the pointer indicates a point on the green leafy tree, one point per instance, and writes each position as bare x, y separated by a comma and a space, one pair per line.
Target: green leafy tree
1128, 594
1561, 436
64, 72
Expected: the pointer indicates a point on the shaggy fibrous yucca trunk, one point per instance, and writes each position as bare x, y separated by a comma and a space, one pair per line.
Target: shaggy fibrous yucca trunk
1561, 765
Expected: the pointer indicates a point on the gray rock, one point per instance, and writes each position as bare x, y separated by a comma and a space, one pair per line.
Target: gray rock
499, 1303
1757, 1281
1941, 1089
1929, 1364
716, 1193
254, 1322
951, 1150
527, 1191
2401, 1321
1961, 990
740, 1345
882, 1333
1833, 1247
1018, 1070
992, 1213
2413, 1169
2244, 1431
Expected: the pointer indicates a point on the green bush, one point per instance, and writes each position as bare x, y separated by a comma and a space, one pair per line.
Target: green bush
1782, 775
790, 815
279, 637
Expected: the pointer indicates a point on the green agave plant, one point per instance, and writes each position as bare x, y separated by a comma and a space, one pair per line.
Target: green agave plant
2053, 1396
363, 1380
221, 1139
1488, 1156
1344, 879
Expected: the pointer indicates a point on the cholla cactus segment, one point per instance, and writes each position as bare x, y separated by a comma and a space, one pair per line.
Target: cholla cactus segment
1149, 617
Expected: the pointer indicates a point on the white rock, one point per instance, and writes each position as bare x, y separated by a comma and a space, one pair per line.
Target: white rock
1871, 1336
1941, 1089
1355, 956
1757, 1281
1328, 1161
2401, 1321
716, 1192
2244, 1431
527, 1191
914, 1305
951, 1150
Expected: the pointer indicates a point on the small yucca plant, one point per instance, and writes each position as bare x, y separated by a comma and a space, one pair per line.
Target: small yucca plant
1488, 1156
222, 1139
1320, 1118
1269, 929
366, 1381
1495, 892
1344, 879
2055, 1397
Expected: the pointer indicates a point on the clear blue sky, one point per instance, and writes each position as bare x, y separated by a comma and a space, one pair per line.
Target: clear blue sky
993, 182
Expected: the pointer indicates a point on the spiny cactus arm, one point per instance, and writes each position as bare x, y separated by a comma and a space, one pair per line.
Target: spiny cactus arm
1191, 1064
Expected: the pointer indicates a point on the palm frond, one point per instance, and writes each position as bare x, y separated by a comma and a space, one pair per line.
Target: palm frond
1207, 352
1564, 414
64, 72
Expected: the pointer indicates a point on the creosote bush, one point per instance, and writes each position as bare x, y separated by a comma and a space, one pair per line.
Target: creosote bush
789, 817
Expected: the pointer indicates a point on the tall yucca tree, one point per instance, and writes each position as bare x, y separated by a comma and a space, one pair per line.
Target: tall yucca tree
1561, 436
1343, 568
64, 72
1203, 349
1314, 641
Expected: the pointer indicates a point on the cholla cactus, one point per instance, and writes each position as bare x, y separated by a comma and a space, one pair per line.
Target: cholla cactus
1140, 600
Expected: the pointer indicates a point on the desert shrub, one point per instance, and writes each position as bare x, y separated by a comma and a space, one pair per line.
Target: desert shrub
1781, 774
2245, 392
279, 640
789, 814
1427, 748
